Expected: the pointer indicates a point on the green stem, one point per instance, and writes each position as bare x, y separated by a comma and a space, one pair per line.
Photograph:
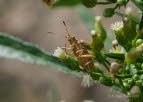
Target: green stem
116, 7
104, 3
104, 61
107, 62
106, 66
123, 76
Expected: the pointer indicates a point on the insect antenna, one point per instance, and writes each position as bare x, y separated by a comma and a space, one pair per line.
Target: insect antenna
66, 28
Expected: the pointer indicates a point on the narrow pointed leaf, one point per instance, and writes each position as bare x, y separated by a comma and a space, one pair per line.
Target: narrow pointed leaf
120, 56
115, 56
13, 48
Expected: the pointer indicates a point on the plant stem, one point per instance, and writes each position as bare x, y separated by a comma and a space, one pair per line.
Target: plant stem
103, 62
116, 7
106, 66
104, 3
107, 62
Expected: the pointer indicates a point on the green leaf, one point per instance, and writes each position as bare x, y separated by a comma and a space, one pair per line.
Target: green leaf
66, 3
13, 48
72, 64
118, 56
86, 16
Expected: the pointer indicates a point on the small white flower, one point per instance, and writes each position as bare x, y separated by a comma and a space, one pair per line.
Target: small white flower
87, 81
117, 26
60, 53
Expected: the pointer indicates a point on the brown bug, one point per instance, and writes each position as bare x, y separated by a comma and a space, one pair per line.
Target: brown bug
80, 51
49, 2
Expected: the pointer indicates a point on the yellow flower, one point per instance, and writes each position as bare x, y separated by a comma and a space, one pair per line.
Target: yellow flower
117, 51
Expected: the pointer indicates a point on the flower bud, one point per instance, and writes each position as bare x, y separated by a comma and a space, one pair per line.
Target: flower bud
118, 29
114, 67
129, 11
139, 31
136, 77
117, 82
61, 54
93, 33
96, 43
69, 61
142, 65
138, 42
135, 94
139, 83
131, 82
99, 28
89, 3
114, 44
95, 76
108, 12
106, 80
129, 28
127, 69
126, 85
134, 54
126, 80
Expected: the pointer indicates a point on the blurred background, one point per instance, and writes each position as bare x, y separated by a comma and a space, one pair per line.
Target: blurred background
31, 20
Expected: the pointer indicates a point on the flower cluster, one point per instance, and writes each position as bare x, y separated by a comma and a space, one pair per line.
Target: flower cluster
125, 69
123, 64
